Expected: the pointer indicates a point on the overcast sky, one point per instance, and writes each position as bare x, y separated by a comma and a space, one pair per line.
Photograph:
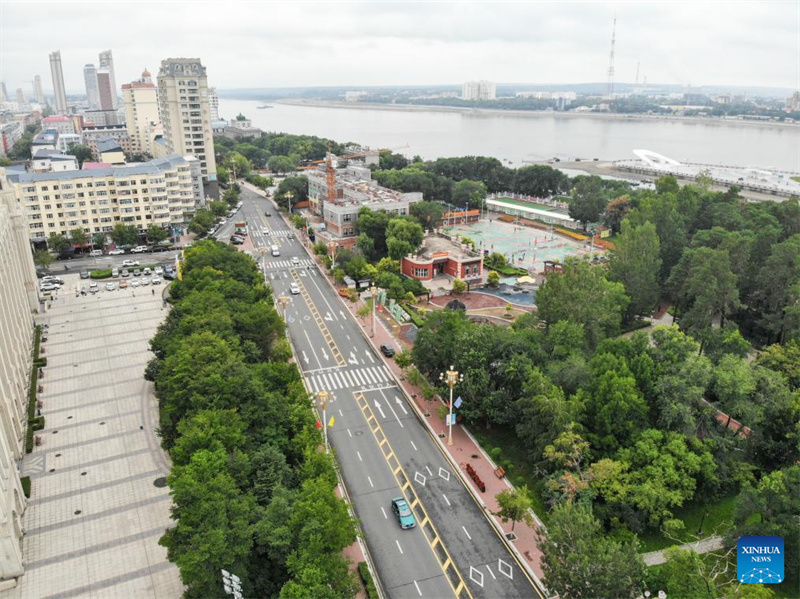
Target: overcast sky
282, 44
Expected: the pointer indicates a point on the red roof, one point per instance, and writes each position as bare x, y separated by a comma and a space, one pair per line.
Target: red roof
91, 166
56, 119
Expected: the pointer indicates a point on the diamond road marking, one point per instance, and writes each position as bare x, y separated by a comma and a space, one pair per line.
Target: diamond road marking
505, 568
476, 576
445, 474
420, 478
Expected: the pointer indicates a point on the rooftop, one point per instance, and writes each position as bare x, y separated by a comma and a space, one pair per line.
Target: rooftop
434, 247
56, 119
152, 167
108, 145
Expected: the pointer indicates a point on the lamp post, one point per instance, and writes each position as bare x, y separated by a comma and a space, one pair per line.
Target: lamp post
332, 247
451, 377
263, 252
322, 401
374, 291
289, 196
283, 299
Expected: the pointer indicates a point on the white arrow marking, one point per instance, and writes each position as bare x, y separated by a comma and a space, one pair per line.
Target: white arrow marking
353, 359
400, 403
324, 353
379, 408
389, 405
369, 355
342, 313
328, 316
305, 357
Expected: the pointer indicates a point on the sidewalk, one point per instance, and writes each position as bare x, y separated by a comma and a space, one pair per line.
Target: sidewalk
654, 558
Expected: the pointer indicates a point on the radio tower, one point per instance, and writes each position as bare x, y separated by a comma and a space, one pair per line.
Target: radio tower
637, 72
610, 86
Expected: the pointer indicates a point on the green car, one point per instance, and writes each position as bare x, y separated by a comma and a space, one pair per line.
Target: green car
403, 513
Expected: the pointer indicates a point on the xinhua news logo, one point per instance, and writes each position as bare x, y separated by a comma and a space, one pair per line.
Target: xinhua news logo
759, 560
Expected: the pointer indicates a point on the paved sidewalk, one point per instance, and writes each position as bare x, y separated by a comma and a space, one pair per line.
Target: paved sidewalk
654, 558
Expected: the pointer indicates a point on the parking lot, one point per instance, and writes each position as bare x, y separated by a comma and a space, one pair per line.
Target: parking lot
99, 499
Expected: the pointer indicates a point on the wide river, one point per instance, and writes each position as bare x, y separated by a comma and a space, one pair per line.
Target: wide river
517, 138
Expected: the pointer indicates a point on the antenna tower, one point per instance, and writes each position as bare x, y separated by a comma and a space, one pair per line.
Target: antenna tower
637, 72
610, 86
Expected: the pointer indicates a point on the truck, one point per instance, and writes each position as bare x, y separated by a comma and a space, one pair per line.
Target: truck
240, 228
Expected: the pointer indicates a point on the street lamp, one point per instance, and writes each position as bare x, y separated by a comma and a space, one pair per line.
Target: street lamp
374, 291
322, 401
332, 247
451, 377
283, 299
289, 196
263, 252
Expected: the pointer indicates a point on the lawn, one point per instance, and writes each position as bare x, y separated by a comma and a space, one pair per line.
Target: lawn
796, 179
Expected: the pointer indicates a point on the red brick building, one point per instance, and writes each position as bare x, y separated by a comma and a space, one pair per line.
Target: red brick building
442, 257
460, 218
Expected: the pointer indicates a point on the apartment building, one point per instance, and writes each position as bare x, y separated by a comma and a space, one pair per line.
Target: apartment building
141, 112
106, 64
478, 90
185, 112
9, 135
160, 192
38, 94
18, 301
58, 82
119, 133
92, 91
62, 124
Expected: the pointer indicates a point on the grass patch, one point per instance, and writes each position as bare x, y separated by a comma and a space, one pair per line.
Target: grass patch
514, 461
796, 179
366, 577
718, 521
100, 274
26, 486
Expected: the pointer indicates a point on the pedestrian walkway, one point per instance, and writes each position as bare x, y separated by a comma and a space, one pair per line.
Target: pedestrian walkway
655, 558
367, 377
304, 263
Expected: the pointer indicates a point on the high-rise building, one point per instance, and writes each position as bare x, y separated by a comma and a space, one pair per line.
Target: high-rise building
92, 92
58, 82
213, 103
3, 92
478, 90
184, 110
107, 63
37, 89
141, 112
21, 97
105, 89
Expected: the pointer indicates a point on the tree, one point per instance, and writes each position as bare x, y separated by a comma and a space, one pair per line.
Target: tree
615, 213
515, 505
778, 289
493, 279
459, 286
429, 214
281, 164
581, 294
468, 194
784, 359
238, 165
82, 153
124, 235
99, 239
684, 574
43, 258
201, 223
296, 186
636, 263
156, 234
539, 181
219, 208
223, 174
78, 237
58, 243
587, 200
581, 561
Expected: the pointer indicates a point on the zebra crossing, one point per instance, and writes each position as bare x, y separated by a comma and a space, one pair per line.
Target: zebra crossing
280, 233
352, 378
289, 264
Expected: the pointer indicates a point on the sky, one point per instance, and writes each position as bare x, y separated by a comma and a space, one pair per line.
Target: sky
305, 44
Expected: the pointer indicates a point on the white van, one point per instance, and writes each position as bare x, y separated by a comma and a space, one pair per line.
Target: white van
96, 253
275, 250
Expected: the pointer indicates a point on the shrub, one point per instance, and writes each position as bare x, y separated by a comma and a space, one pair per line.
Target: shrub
496, 453
459, 287
366, 577
26, 486
100, 274
493, 279
415, 318
37, 423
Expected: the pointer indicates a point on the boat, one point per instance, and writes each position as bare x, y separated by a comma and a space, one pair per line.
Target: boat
265, 106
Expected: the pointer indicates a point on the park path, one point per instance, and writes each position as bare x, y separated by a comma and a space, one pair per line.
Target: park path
713, 543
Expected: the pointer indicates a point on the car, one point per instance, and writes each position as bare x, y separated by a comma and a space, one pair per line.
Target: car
116, 252
52, 279
169, 275
145, 281
83, 290
110, 287
294, 288
295, 260
237, 240
290, 236
267, 213
84, 274
114, 272
123, 284
158, 270
49, 287
128, 263
147, 271
387, 350
139, 249
125, 272
156, 280
134, 283
137, 272
93, 288
403, 513
264, 231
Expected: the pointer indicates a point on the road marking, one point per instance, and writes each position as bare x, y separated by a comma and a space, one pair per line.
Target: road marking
412, 445
369, 355
349, 432
490, 571
340, 414
447, 501
370, 482
418, 591
324, 353
312, 347
305, 357
389, 405
384, 513
368, 375
400, 403
360, 459
379, 408
466, 533
430, 473
398, 545
348, 337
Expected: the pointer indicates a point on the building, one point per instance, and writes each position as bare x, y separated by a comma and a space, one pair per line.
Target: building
110, 152
100, 118
213, 103
119, 133
240, 127
3, 92
140, 99
105, 90
62, 124
18, 302
67, 141
160, 192
21, 98
353, 188
197, 181
460, 217
515, 208
9, 135
478, 90
355, 96
92, 91
38, 94
185, 113
58, 82
793, 103
53, 161
106, 64
568, 96
440, 256
45, 140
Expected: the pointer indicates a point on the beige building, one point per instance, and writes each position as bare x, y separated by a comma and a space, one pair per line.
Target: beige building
141, 112
185, 112
158, 192
18, 301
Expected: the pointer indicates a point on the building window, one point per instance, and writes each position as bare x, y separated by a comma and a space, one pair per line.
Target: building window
420, 272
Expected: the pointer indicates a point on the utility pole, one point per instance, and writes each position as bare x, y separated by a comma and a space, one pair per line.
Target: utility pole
610, 86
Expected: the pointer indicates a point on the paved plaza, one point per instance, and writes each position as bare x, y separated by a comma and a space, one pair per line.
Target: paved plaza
99, 502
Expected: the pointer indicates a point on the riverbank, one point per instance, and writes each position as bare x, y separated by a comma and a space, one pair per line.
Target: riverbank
533, 113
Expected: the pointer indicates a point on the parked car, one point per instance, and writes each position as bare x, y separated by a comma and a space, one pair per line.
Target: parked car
137, 272
93, 288
267, 213
169, 275
123, 284
147, 271
116, 252
130, 263
95, 253
387, 350
156, 280
235, 240
114, 272
158, 270
110, 287
139, 249
52, 279
294, 288
84, 274
126, 272
403, 513
49, 287
145, 281
134, 283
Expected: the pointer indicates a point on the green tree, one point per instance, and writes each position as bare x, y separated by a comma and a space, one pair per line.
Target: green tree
684, 574
784, 359
82, 153
583, 295
429, 214
42, 258
201, 223
78, 237
493, 279
219, 208
616, 212
58, 243
99, 239
587, 200
778, 290
459, 286
515, 505
469, 194
296, 186
581, 561
281, 164
238, 165
539, 180
223, 174
636, 263
125, 235
156, 234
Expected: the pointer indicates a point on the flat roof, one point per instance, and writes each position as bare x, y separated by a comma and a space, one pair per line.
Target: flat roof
152, 167
535, 211
434, 247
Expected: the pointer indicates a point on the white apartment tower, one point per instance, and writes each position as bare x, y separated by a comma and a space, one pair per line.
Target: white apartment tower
185, 113
213, 103
3, 92
21, 98
141, 112
37, 89
107, 64
478, 90
58, 82
92, 92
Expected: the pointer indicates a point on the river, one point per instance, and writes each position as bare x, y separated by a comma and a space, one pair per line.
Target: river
517, 138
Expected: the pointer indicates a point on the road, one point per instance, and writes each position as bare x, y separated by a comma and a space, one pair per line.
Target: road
104, 262
382, 447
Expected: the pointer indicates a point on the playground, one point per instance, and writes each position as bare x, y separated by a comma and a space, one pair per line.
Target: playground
523, 247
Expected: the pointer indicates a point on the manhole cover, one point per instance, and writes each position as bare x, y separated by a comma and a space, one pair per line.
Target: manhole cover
160, 482
358, 433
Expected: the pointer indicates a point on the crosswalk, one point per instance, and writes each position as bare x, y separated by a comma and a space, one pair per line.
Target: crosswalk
288, 264
350, 378
280, 233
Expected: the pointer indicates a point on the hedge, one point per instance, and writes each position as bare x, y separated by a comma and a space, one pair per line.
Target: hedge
100, 274
366, 577
26, 486
415, 318
37, 335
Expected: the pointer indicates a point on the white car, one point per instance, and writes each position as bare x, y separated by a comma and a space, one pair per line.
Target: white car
147, 271
110, 287
134, 283
128, 263
49, 286
295, 260
116, 252
156, 280
145, 281
139, 249
158, 270
265, 231
52, 279
93, 288
294, 288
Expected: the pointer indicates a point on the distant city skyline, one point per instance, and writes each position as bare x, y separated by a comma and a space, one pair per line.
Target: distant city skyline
415, 44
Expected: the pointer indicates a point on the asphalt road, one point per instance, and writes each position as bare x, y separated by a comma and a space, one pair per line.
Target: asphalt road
383, 449
104, 262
